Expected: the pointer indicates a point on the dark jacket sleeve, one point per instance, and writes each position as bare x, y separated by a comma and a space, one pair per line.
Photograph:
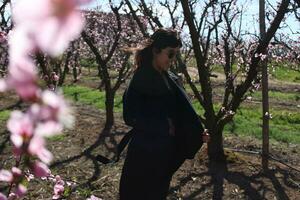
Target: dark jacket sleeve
143, 107
190, 128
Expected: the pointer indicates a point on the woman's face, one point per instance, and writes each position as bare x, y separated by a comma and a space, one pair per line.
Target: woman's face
162, 60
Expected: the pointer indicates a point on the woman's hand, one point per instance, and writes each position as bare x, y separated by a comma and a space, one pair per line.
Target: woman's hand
205, 136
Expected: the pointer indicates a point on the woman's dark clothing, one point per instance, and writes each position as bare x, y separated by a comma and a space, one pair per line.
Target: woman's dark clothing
154, 155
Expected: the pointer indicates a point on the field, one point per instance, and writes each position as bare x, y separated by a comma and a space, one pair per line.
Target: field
75, 150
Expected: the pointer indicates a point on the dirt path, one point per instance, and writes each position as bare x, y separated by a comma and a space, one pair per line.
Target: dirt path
75, 160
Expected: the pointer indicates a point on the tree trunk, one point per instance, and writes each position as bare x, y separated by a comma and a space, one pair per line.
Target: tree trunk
265, 96
215, 146
109, 107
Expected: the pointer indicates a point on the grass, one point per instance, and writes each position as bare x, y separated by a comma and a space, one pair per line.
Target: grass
280, 72
90, 96
57, 138
284, 126
283, 73
4, 115
278, 96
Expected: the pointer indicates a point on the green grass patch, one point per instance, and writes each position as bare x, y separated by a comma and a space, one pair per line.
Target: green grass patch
283, 73
56, 138
88, 62
90, 96
284, 125
4, 115
279, 96
85, 192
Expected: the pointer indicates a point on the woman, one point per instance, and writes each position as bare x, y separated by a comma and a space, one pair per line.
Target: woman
166, 128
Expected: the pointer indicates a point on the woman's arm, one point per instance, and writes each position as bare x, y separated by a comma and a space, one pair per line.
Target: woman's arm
143, 112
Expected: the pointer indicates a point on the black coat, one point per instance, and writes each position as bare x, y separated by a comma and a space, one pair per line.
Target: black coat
148, 103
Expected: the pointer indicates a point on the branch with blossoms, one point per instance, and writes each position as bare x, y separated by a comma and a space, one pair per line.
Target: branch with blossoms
284, 49
106, 36
39, 26
54, 71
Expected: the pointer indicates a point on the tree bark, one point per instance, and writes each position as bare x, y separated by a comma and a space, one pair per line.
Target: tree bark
265, 96
215, 145
109, 107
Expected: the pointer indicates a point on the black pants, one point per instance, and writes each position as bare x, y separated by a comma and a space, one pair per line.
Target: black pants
148, 168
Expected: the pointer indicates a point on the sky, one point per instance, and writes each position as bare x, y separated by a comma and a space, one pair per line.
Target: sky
251, 11
248, 22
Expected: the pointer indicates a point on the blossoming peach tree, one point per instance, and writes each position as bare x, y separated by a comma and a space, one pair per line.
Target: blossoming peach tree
39, 26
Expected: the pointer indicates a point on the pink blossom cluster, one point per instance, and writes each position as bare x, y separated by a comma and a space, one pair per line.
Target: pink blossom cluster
94, 198
58, 188
102, 27
59, 185
40, 26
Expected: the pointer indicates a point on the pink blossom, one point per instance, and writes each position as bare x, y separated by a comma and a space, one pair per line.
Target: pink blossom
3, 85
56, 109
58, 188
40, 169
59, 180
52, 24
84, 1
12, 196
2, 196
22, 78
29, 176
93, 198
21, 128
21, 46
6, 176
21, 190
16, 172
48, 128
37, 147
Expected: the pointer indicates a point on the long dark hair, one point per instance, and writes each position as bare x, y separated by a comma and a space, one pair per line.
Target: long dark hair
160, 39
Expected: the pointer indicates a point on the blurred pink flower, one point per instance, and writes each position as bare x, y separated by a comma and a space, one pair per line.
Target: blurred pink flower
58, 187
21, 128
6, 176
3, 85
93, 198
48, 128
16, 172
2, 196
20, 44
41, 170
84, 1
56, 109
37, 147
21, 190
12, 196
22, 78
52, 24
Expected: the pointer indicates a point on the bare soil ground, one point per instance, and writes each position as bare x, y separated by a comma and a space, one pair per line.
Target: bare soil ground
75, 160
